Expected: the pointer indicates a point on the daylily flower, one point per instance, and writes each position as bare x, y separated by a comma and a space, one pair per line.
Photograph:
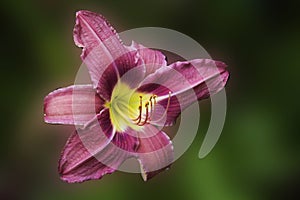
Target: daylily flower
133, 93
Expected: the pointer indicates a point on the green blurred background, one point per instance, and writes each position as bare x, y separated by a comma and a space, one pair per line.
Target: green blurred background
257, 156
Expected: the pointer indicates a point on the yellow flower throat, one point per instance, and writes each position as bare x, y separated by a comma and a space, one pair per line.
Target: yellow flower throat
129, 108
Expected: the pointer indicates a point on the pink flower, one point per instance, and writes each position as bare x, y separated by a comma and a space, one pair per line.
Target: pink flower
119, 114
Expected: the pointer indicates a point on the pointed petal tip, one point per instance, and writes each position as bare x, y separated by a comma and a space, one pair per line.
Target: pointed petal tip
225, 76
83, 12
78, 13
88, 14
81, 15
223, 73
146, 176
155, 154
220, 64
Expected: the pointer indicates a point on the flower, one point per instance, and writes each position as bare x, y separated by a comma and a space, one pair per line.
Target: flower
133, 93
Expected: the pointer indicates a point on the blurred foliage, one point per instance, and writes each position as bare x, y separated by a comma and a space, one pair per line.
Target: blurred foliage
257, 154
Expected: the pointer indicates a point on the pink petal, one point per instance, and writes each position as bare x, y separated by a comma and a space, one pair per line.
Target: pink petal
121, 147
100, 42
78, 162
76, 104
105, 56
152, 59
160, 118
155, 152
127, 72
87, 155
189, 81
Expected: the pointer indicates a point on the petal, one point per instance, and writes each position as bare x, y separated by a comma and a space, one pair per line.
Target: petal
189, 81
76, 104
155, 153
166, 111
131, 73
100, 42
121, 147
152, 59
78, 162
105, 56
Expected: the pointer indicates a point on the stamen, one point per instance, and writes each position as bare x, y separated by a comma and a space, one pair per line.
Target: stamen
138, 119
150, 103
140, 115
167, 107
151, 107
147, 115
154, 97
150, 113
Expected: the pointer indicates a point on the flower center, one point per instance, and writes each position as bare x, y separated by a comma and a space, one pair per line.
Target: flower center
125, 105
130, 108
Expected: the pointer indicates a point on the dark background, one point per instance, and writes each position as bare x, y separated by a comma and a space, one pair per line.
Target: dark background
257, 156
